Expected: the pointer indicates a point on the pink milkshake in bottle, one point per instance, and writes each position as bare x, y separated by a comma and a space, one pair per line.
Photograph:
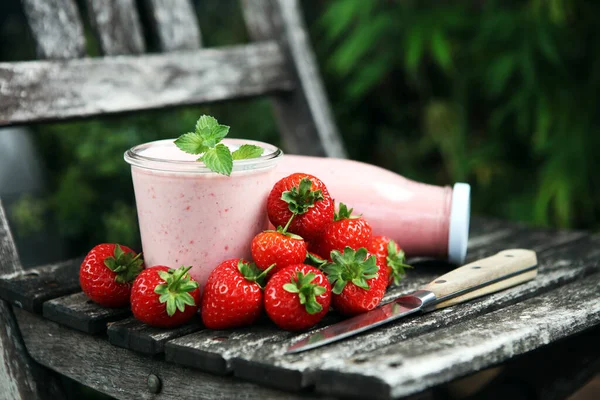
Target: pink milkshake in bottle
425, 220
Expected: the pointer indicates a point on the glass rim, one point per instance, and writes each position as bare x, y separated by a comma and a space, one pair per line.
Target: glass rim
134, 157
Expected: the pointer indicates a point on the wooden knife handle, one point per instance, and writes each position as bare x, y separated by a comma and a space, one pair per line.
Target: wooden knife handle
488, 269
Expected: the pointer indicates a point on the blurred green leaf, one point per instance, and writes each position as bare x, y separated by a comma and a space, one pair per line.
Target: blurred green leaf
440, 48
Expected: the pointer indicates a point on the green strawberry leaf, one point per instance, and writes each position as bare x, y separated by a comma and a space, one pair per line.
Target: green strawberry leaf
175, 291
344, 213
313, 306
396, 260
127, 266
350, 266
218, 159
164, 275
191, 143
171, 307
300, 198
247, 151
315, 261
290, 287
306, 290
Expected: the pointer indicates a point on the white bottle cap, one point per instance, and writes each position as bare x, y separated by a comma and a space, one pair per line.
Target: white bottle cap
460, 213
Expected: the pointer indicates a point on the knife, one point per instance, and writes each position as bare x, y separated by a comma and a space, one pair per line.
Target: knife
488, 275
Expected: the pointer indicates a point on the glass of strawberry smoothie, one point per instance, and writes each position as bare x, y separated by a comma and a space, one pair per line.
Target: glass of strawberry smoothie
190, 215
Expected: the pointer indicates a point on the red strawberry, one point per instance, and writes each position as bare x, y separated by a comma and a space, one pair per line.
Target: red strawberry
233, 295
306, 198
164, 297
279, 248
107, 272
297, 297
357, 285
388, 253
346, 231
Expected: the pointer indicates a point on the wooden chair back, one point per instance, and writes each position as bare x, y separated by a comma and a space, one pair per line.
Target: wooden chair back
66, 83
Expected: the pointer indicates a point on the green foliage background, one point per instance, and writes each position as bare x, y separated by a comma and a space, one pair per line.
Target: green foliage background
500, 94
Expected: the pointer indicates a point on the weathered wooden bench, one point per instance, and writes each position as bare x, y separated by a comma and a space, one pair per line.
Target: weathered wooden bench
543, 333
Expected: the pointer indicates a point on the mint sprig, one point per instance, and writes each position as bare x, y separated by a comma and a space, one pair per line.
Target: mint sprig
205, 140
247, 151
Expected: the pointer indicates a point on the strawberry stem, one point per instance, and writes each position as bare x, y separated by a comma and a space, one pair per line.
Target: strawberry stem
285, 228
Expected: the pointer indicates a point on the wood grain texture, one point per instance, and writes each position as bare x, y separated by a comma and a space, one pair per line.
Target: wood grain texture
442, 355
43, 90
77, 311
56, 27
536, 373
256, 353
121, 373
117, 26
9, 258
137, 336
29, 289
21, 378
304, 115
268, 364
212, 350
174, 24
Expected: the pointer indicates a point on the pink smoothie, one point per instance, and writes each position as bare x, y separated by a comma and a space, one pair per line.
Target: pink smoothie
189, 215
425, 220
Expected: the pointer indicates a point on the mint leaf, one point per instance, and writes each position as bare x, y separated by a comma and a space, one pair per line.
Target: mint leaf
191, 143
206, 122
218, 159
247, 151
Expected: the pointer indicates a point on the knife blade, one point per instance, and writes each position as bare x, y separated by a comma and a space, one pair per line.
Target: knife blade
505, 269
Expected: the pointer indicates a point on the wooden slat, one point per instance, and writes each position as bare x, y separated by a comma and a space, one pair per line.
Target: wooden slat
77, 311
123, 374
268, 364
31, 288
43, 90
445, 354
56, 28
21, 378
255, 353
212, 350
174, 24
137, 336
116, 24
304, 116
9, 258
538, 376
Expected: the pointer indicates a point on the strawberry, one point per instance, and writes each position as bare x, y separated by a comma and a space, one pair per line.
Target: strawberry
357, 285
304, 199
233, 295
164, 297
297, 297
389, 254
279, 248
107, 272
346, 231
